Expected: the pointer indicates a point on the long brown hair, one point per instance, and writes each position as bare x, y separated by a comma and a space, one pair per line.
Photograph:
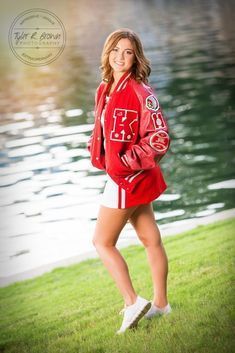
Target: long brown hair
141, 67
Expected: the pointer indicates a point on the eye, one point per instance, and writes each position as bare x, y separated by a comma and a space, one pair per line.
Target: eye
115, 49
129, 52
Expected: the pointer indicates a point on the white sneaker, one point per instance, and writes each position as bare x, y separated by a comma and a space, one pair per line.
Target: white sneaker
155, 310
133, 313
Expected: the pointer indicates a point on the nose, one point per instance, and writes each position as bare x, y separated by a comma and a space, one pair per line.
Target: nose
120, 55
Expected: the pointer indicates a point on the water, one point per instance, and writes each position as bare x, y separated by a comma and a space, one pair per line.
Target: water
49, 190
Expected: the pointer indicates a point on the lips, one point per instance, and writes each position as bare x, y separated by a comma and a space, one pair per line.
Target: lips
119, 63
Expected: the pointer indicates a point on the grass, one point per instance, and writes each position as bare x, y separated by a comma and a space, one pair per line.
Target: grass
75, 309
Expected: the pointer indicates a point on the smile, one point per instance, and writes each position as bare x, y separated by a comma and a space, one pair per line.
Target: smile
119, 63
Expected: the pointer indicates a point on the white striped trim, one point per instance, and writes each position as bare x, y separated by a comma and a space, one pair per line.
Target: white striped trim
128, 176
124, 85
134, 176
123, 198
131, 177
124, 159
119, 87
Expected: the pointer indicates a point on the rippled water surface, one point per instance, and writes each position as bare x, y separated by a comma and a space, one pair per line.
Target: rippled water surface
49, 190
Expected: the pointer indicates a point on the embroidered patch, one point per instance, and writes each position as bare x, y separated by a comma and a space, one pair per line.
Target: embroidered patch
158, 120
152, 103
160, 141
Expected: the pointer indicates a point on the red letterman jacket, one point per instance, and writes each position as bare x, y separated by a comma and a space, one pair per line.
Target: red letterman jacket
135, 131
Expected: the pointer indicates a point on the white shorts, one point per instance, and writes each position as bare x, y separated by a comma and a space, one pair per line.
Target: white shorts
113, 195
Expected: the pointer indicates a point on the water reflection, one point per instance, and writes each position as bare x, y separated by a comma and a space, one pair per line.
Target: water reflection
49, 190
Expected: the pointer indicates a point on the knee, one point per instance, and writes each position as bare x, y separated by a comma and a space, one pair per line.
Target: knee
151, 243
100, 243
97, 244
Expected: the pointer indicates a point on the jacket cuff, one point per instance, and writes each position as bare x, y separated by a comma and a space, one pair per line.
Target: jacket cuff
124, 160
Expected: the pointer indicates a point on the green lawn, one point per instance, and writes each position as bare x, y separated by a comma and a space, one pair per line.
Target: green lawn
75, 309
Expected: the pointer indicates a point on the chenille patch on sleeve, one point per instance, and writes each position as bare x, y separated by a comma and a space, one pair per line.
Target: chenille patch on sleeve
152, 103
159, 141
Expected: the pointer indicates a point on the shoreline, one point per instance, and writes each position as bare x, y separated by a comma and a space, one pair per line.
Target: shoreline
168, 229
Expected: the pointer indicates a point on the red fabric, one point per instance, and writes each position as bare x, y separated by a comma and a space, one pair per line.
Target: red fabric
136, 138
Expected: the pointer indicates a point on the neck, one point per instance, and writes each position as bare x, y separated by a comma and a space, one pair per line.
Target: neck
117, 76
115, 79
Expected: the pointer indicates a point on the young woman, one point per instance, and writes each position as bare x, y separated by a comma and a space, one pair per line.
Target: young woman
129, 138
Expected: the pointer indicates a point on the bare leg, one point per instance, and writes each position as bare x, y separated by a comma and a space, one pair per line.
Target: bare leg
109, 224
147, 230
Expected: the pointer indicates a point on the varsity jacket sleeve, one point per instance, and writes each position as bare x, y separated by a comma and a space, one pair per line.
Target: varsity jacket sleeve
153, 140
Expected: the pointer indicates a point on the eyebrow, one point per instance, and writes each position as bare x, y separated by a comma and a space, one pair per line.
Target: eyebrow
125, 49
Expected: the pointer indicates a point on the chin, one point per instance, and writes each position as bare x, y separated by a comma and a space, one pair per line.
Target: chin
124, 69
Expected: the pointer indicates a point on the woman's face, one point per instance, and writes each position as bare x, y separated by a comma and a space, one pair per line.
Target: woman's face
122, 57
